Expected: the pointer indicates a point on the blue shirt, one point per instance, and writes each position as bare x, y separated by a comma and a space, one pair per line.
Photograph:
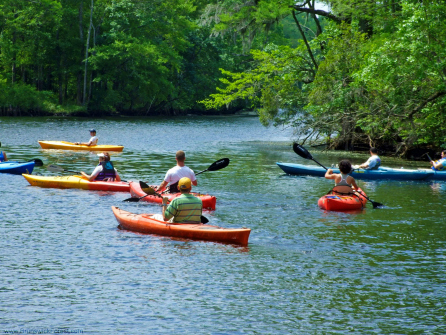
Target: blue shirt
373, 162
441, 161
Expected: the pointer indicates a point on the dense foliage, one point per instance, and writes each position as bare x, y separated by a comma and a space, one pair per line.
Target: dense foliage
374, 74
361, 73
96, 56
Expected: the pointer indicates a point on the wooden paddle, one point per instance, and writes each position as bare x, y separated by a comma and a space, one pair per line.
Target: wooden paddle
302, 152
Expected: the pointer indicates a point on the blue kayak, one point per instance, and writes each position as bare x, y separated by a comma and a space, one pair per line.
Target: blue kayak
17, 167
380, 173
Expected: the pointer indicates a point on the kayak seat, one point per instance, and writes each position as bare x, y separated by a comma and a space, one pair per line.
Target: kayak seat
342, 190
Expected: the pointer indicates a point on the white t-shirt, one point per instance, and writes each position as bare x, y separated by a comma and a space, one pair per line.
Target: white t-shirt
177, 172
94, 140
373, 162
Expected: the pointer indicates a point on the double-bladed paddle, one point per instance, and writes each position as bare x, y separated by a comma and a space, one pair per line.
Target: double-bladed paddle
218, 165
304, 153
150, 191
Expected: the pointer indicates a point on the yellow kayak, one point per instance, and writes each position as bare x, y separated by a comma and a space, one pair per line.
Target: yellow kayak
76, 182
63, 145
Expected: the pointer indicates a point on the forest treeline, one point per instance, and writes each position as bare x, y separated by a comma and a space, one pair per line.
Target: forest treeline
357, 73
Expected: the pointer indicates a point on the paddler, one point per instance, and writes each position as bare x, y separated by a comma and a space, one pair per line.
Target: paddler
3, 157
440, 164
373, 162
186, 208
344, 183
93, 140
104, 171
176, 173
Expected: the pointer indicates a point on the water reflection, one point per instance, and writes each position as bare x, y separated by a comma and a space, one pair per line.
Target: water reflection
304, 271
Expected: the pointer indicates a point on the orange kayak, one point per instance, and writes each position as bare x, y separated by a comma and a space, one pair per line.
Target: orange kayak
209, 201
338, 202
76, 182
144, 223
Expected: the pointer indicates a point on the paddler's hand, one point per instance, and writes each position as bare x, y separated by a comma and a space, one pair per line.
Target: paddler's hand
165, 200
330, 171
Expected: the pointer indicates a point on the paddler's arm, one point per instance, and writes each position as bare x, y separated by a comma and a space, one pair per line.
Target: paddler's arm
90, 178
438, 166
168, 216
94, 174
355, 186
329, 174
162, 186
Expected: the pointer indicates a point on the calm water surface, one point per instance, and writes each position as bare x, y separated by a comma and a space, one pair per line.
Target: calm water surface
65, 265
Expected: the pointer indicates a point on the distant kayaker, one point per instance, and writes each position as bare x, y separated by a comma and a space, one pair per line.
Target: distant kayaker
176, 173
105, 170
93, 139
343, 178
373, 162
440, 164
186, 208
3, 157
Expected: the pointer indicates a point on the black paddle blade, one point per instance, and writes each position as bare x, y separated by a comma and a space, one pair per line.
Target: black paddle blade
301, 151
146, 188
376, 204
37, 162
131, 200
218, 165
204, 219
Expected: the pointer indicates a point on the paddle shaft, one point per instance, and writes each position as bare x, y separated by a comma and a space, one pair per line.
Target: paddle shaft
203, 219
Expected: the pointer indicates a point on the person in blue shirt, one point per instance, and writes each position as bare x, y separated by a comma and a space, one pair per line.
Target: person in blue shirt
373, 162
3, 157
440, 164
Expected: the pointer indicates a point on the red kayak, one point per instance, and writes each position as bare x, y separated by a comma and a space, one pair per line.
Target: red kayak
335, 201
145, 223
209, 201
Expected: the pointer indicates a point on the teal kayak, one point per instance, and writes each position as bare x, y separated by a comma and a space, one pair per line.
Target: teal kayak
380, 174
17, 167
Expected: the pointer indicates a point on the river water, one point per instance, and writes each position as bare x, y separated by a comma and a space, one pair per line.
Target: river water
66, 267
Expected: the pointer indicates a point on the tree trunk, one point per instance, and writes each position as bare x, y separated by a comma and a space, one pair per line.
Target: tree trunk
86, 55
79, 73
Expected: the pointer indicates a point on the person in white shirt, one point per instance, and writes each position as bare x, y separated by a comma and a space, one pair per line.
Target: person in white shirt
176, 173
373, 162
104, 171
93, 140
